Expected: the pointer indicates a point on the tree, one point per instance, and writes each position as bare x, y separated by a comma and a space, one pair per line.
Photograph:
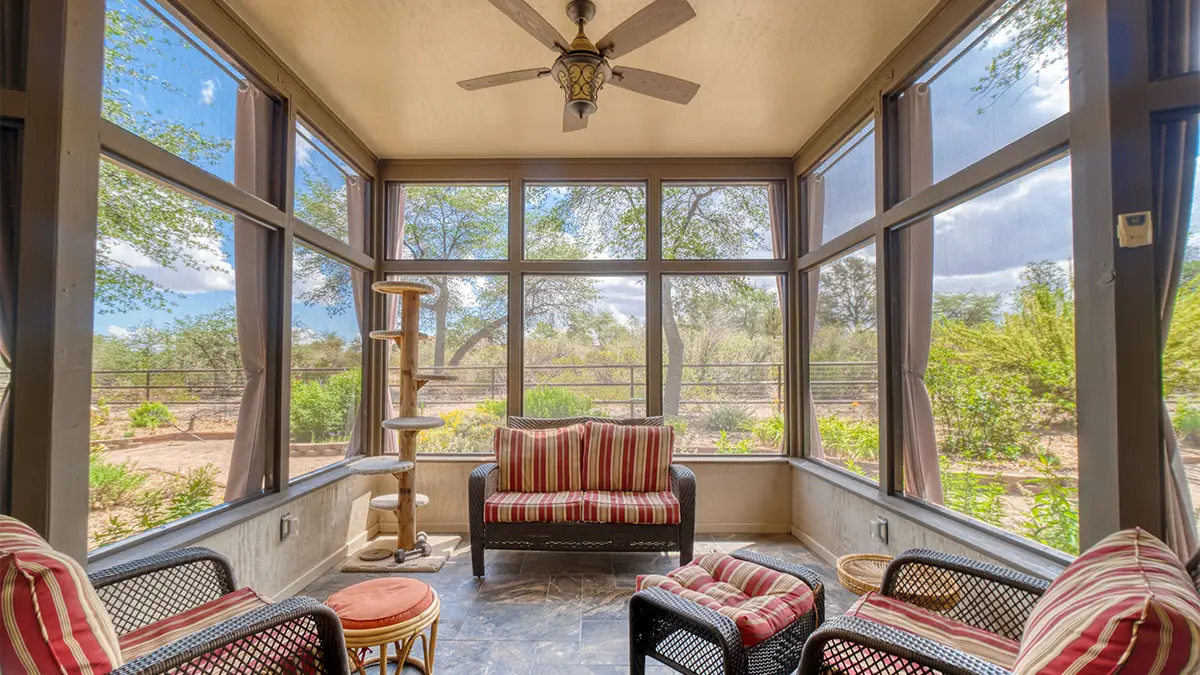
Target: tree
1037, 31
971, 309
847, 294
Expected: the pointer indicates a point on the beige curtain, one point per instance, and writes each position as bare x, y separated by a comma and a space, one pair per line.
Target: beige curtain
394, 241
251, 251
356, 225
816, 225
1175, 47
1174, 170
922, 477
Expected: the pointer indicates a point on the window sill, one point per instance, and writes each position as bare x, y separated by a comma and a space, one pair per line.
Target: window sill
1019, 554
479, 458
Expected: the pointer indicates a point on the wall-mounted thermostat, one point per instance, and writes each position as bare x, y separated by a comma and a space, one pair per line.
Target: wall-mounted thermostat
1135, 229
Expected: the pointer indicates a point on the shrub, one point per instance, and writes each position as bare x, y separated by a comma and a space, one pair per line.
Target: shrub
1187, 421
679, 424
982, 415
99, 415
191, 492
728, 417
728, 447
464, 431
769, 431
324, 411
1054, 518
114, 529
971, 495
546, 401
497, 408
111, 482
856, 440
151, 415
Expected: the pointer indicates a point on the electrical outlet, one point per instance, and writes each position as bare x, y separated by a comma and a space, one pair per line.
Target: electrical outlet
289, 526
879, 530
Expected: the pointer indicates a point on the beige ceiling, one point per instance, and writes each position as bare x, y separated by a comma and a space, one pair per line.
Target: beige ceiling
771, 71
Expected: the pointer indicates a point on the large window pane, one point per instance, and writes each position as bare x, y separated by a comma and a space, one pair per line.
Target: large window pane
723, 385
846, 183
467, 319
163, 83
1001, 375
325, 184
451, 222
843, 380
167, 370
713, 222
585, 222
1005, 79
326, 361
585, 346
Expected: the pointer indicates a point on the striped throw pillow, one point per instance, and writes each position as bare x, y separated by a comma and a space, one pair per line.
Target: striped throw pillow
547, 460
627, 458
1126, 605
53, 621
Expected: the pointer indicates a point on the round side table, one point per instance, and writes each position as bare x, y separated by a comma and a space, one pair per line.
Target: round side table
390, 610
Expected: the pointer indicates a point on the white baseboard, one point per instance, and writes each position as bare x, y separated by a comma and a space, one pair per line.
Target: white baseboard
325, 565
815, 546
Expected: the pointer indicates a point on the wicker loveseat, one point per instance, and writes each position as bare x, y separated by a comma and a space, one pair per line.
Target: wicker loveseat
585, 484
179, 612
1126, 605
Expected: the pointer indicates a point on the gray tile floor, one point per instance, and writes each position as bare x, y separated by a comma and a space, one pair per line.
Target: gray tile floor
559, 613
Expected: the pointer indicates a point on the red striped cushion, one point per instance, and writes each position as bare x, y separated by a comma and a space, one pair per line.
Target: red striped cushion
53, 621
533, 507
1126, 605
627, 458
160, 633
760, 600
631, 508
899, 614
548, 460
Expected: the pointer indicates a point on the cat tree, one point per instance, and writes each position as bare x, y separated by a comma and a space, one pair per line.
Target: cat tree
407, 425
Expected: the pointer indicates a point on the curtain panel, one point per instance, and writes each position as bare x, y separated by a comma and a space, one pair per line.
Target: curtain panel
815, 186
394, 241
356, 227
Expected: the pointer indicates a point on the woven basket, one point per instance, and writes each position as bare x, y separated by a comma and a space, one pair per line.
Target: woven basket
862, 573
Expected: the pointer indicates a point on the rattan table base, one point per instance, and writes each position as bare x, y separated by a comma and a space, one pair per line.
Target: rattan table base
403, 636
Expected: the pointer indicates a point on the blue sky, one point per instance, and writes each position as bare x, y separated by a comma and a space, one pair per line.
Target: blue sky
202, 96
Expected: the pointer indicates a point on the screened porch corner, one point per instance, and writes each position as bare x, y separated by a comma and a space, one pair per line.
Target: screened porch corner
285, 286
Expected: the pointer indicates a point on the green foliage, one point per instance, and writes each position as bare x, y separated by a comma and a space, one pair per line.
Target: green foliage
324, 411
971, 309
1181, 358
972, 495
728, 447
1054, 518
191, 492
728, 417
114, 529
845, 437
548, 402
769, 431
679, 424
846, 295
497, 408
182, 496
151, 415
1186, 421
982, 415
1036, 39
111, 483
464, 431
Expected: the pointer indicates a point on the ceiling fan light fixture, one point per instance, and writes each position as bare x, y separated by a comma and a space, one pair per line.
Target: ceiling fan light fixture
581, 75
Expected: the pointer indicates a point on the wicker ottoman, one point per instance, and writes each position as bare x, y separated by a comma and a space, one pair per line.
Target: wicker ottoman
741, 613
391, 610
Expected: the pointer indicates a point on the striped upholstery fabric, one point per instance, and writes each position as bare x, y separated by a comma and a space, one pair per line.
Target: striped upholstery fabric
160, 633
549, 460
627, 458
558, 422
760, 601
899, 614
53, 621
631, 508
1126, 605
533, 507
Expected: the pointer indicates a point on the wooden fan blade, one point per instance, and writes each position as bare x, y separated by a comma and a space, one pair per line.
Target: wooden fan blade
503, 78
650, 23
535, 24
573, 122
654, 84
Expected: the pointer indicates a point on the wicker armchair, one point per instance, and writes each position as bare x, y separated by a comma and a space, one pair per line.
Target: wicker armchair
572, 536
694, 639
297, 635
986, 596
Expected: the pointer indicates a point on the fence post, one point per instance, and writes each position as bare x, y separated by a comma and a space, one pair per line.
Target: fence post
147, 385
492, 386
632, 413
779, 388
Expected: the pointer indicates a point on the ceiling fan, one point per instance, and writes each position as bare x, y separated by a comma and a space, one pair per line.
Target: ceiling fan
582, 67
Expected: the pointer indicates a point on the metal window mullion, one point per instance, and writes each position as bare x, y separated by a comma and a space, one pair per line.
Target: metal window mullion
793, 355
278, 461
330, 246
654, 297
516, 294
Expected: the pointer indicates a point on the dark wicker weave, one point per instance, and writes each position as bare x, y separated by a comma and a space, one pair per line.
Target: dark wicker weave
298, 635
580, 536
559, 422
700, 641
847, 644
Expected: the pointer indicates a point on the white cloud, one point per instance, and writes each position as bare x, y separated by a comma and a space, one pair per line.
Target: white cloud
208, 92
117, 332
303, 335
303, 150
212, 271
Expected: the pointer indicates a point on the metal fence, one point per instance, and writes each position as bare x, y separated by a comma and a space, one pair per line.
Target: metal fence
608, 384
